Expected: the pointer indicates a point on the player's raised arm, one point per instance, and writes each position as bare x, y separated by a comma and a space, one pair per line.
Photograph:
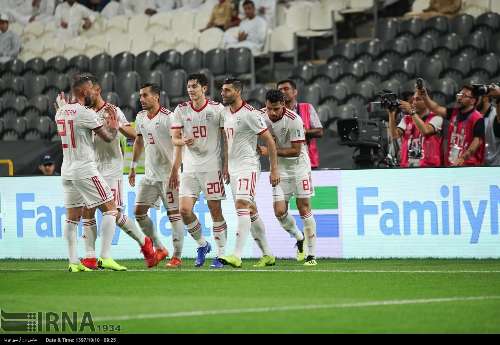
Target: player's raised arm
109, 131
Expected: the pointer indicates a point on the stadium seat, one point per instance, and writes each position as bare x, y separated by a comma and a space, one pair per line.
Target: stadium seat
81, 62
46, 127
58, 63
134, 102
162, 20
425, 43
371, 47
118, 43
145, 61
430, 68
348, 49
240, 63
439, 23
138, 22
347, 111
9, 98
97, 45
129, 113
201, 19
297, 17
255, 103
453, 75
413, 26
323, 82
118, 23
452, 42
211, 39
339, 91
282, 40
18, 84
443, 54
258, 93
387, 29
164, 100
325, 112
305, 71
1, 124
164, 41
402, 44
34, 29
175, 83
310, 94
382, 67
9, 118
35, 86
447, 87
156, 77
127, 84
366, 89
172, 57
215, 60
123, 63
462, 24
20, 104
192, 60
16, 66
392, 85
358, 69
32, 135
112, 98
52, 47
21, 125
108, 82
359, 103
41, 103
490, 20
101, 64
479, 39
333, 70
182, 22
10, 135
36, 65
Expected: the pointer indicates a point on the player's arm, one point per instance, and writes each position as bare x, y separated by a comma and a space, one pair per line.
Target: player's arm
293, 151
317, 130
225, 166
429, 103
136, 154
128, 131
314, 133
271, 148
173, 181
176, 134
109, 131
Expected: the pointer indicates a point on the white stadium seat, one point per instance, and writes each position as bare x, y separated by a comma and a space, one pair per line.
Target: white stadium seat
210, 39
141, 44
119, 23
118, 43
162, 19
138, 23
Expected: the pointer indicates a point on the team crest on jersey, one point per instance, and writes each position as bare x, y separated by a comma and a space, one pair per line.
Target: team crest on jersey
283, 132
209, 116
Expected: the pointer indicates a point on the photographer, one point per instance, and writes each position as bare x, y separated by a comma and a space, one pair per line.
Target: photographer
420, 133
466, 128
492, 125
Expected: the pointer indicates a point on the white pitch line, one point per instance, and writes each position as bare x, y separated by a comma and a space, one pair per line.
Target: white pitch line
291, 308
261, 270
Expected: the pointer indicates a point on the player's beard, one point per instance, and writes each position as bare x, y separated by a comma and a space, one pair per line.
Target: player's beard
228, 101
88, 101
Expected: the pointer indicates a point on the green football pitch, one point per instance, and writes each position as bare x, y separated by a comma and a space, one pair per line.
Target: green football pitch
337, 296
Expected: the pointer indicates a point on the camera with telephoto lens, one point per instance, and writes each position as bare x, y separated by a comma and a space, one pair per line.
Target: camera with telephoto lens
482, 89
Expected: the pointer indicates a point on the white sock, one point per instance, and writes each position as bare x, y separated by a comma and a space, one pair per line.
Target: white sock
108, 225
89, 236
244, 225
194, 230
70, 236
129, 227
177, 234
220, 237
310, 233
148, 229
259, 234
288, 223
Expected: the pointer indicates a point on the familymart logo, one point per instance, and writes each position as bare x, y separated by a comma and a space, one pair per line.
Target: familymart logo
325, 207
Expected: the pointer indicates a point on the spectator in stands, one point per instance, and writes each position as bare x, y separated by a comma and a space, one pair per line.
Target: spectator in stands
265, 9
492, 128
47, 165
448, 8
95, 5
27, 11
420, 134
71, 17
221, 16
252, 31
10, 43
309, 116
466, 144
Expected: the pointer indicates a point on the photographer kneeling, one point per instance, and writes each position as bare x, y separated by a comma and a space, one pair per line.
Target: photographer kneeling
420, 133
465, 130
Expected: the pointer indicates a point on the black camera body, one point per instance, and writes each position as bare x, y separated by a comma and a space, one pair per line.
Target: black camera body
482, 89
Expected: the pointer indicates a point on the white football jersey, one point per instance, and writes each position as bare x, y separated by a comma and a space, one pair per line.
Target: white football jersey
109, 157
158, 146
242, 129
290, 129
204, 126
74, 125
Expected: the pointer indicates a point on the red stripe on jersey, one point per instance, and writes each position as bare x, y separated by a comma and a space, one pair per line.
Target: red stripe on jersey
242, 105
298, 141
290, 114
252, 189
248, 106
202, 107
98, 110
265, 129
176, 127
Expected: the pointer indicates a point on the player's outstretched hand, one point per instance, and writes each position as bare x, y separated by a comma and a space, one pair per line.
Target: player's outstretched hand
61, 100
131, 177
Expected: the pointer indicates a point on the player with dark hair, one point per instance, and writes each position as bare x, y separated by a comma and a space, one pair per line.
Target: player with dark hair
287, 129
198, 126
161, 164
243, 125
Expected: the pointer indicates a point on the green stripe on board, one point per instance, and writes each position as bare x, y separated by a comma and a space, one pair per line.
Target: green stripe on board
325, 198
